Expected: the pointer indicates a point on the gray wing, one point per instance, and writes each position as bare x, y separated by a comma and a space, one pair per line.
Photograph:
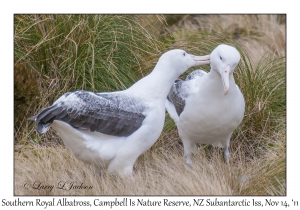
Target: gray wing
112, 114
176, 97
195, 74
181, 89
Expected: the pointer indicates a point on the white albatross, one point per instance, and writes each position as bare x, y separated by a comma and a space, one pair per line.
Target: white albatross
208, 107
112, 129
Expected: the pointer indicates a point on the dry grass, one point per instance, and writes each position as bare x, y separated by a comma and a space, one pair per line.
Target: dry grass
160, 171
257, 33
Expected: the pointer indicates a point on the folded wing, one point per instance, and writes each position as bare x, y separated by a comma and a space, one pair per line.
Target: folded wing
109, 113
181, 90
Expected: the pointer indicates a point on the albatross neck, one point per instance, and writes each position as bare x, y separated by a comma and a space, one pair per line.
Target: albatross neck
156, 85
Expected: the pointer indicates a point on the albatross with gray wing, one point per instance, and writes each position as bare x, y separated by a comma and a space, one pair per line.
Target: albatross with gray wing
111, 130
208, 107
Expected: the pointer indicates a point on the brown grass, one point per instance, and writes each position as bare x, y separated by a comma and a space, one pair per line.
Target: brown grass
160, 171
257, 33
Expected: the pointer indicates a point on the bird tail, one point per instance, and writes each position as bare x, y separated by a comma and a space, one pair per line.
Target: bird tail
44, 119
33, 118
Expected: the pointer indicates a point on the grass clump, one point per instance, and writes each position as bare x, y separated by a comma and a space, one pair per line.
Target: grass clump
70, 52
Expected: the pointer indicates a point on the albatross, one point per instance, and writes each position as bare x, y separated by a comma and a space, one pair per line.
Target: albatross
208, 107
112, 129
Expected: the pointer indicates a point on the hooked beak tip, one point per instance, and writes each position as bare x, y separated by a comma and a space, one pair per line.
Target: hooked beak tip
225, 78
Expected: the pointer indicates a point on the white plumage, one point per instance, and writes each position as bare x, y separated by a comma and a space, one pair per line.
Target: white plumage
111, 130
208, 107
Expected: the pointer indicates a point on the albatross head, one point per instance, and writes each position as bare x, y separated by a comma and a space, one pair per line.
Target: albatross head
224, 59
181, 60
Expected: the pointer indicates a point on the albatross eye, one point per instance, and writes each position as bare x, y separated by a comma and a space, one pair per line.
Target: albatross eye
221, 58
184, 54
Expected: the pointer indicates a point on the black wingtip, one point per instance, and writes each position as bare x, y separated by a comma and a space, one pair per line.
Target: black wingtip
42, 127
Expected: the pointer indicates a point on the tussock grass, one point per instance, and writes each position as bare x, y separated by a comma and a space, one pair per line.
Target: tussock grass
70, 52
59, 53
